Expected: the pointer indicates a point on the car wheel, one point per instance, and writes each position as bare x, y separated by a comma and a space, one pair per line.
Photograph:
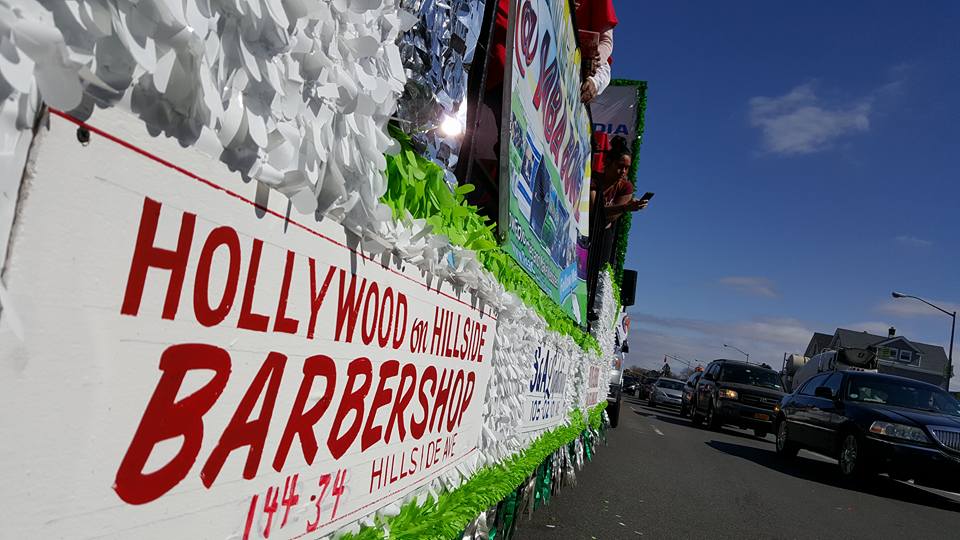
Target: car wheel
851, 457
785, 447
614, 414
713, 421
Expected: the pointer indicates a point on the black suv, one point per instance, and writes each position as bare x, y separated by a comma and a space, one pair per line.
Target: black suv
689, 391
739, 394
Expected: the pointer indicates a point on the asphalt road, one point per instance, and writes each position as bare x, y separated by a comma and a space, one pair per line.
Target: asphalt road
661, 477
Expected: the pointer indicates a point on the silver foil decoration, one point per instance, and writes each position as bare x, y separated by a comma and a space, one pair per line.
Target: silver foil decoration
569, 474
479, 528
437, 53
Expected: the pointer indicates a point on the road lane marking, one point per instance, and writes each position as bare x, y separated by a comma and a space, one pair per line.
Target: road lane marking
658, 432
955, 497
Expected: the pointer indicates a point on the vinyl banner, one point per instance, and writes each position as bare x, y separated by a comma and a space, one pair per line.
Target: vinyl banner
200, 362
545, 401
546, 154
615, 111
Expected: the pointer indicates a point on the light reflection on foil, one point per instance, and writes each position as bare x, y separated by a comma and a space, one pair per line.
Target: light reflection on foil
437, 53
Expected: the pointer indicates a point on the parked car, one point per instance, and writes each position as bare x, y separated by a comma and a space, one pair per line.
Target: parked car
666, 392
873, 422
739, 394
689, 392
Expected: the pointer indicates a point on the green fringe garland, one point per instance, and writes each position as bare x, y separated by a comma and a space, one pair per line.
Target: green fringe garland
596, 415
416, 185
451, 512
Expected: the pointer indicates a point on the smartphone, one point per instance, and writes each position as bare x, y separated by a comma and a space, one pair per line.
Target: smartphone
647, 196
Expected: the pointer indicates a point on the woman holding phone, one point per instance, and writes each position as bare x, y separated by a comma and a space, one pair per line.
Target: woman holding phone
614, 186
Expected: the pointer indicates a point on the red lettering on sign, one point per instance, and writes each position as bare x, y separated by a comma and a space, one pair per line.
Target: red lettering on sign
467, 395
242, 432
548, 75
453, 412
400, 324
383, 395
404, 395
525, 44
438, 315
440, 399
146, 255
348, 305
248, 319
383, 327
301, 424
207, 316
166, 418
290, 497
283, 323
417, 427
368, 330
352, 400
317, 297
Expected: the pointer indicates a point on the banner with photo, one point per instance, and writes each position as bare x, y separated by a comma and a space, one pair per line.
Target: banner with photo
545, 154
615, 110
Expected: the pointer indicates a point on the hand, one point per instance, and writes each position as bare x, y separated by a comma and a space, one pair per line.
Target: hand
588, 91
636, 204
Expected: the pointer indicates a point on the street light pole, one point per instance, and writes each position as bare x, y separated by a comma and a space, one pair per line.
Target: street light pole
740, 350
953, 326
678, 359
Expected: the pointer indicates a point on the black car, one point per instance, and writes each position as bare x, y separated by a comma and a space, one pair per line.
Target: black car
873, 422
737, 393
689, 391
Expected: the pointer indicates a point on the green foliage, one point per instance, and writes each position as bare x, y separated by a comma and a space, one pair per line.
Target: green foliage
449, 514
623, 236
417, 186
596, 415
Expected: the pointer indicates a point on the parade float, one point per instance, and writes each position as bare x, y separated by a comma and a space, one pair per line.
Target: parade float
245, 293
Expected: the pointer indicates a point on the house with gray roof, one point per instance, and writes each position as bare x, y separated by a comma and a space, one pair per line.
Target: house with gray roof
896, 355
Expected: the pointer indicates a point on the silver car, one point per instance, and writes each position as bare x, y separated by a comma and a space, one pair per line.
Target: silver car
666, 392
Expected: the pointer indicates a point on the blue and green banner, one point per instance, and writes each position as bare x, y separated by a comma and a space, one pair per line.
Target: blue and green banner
544, 215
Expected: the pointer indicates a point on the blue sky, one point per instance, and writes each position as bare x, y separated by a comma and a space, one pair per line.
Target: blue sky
806, 161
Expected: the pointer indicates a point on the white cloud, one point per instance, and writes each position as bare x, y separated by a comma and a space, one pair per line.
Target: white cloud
908, 307
912, 241
797, 122
651, 337
758, 286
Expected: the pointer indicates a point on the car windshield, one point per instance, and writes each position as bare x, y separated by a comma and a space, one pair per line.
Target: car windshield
672, 385
754, 376
904, 394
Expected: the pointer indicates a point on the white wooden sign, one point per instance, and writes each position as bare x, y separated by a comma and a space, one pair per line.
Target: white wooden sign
196, 361
545, 401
